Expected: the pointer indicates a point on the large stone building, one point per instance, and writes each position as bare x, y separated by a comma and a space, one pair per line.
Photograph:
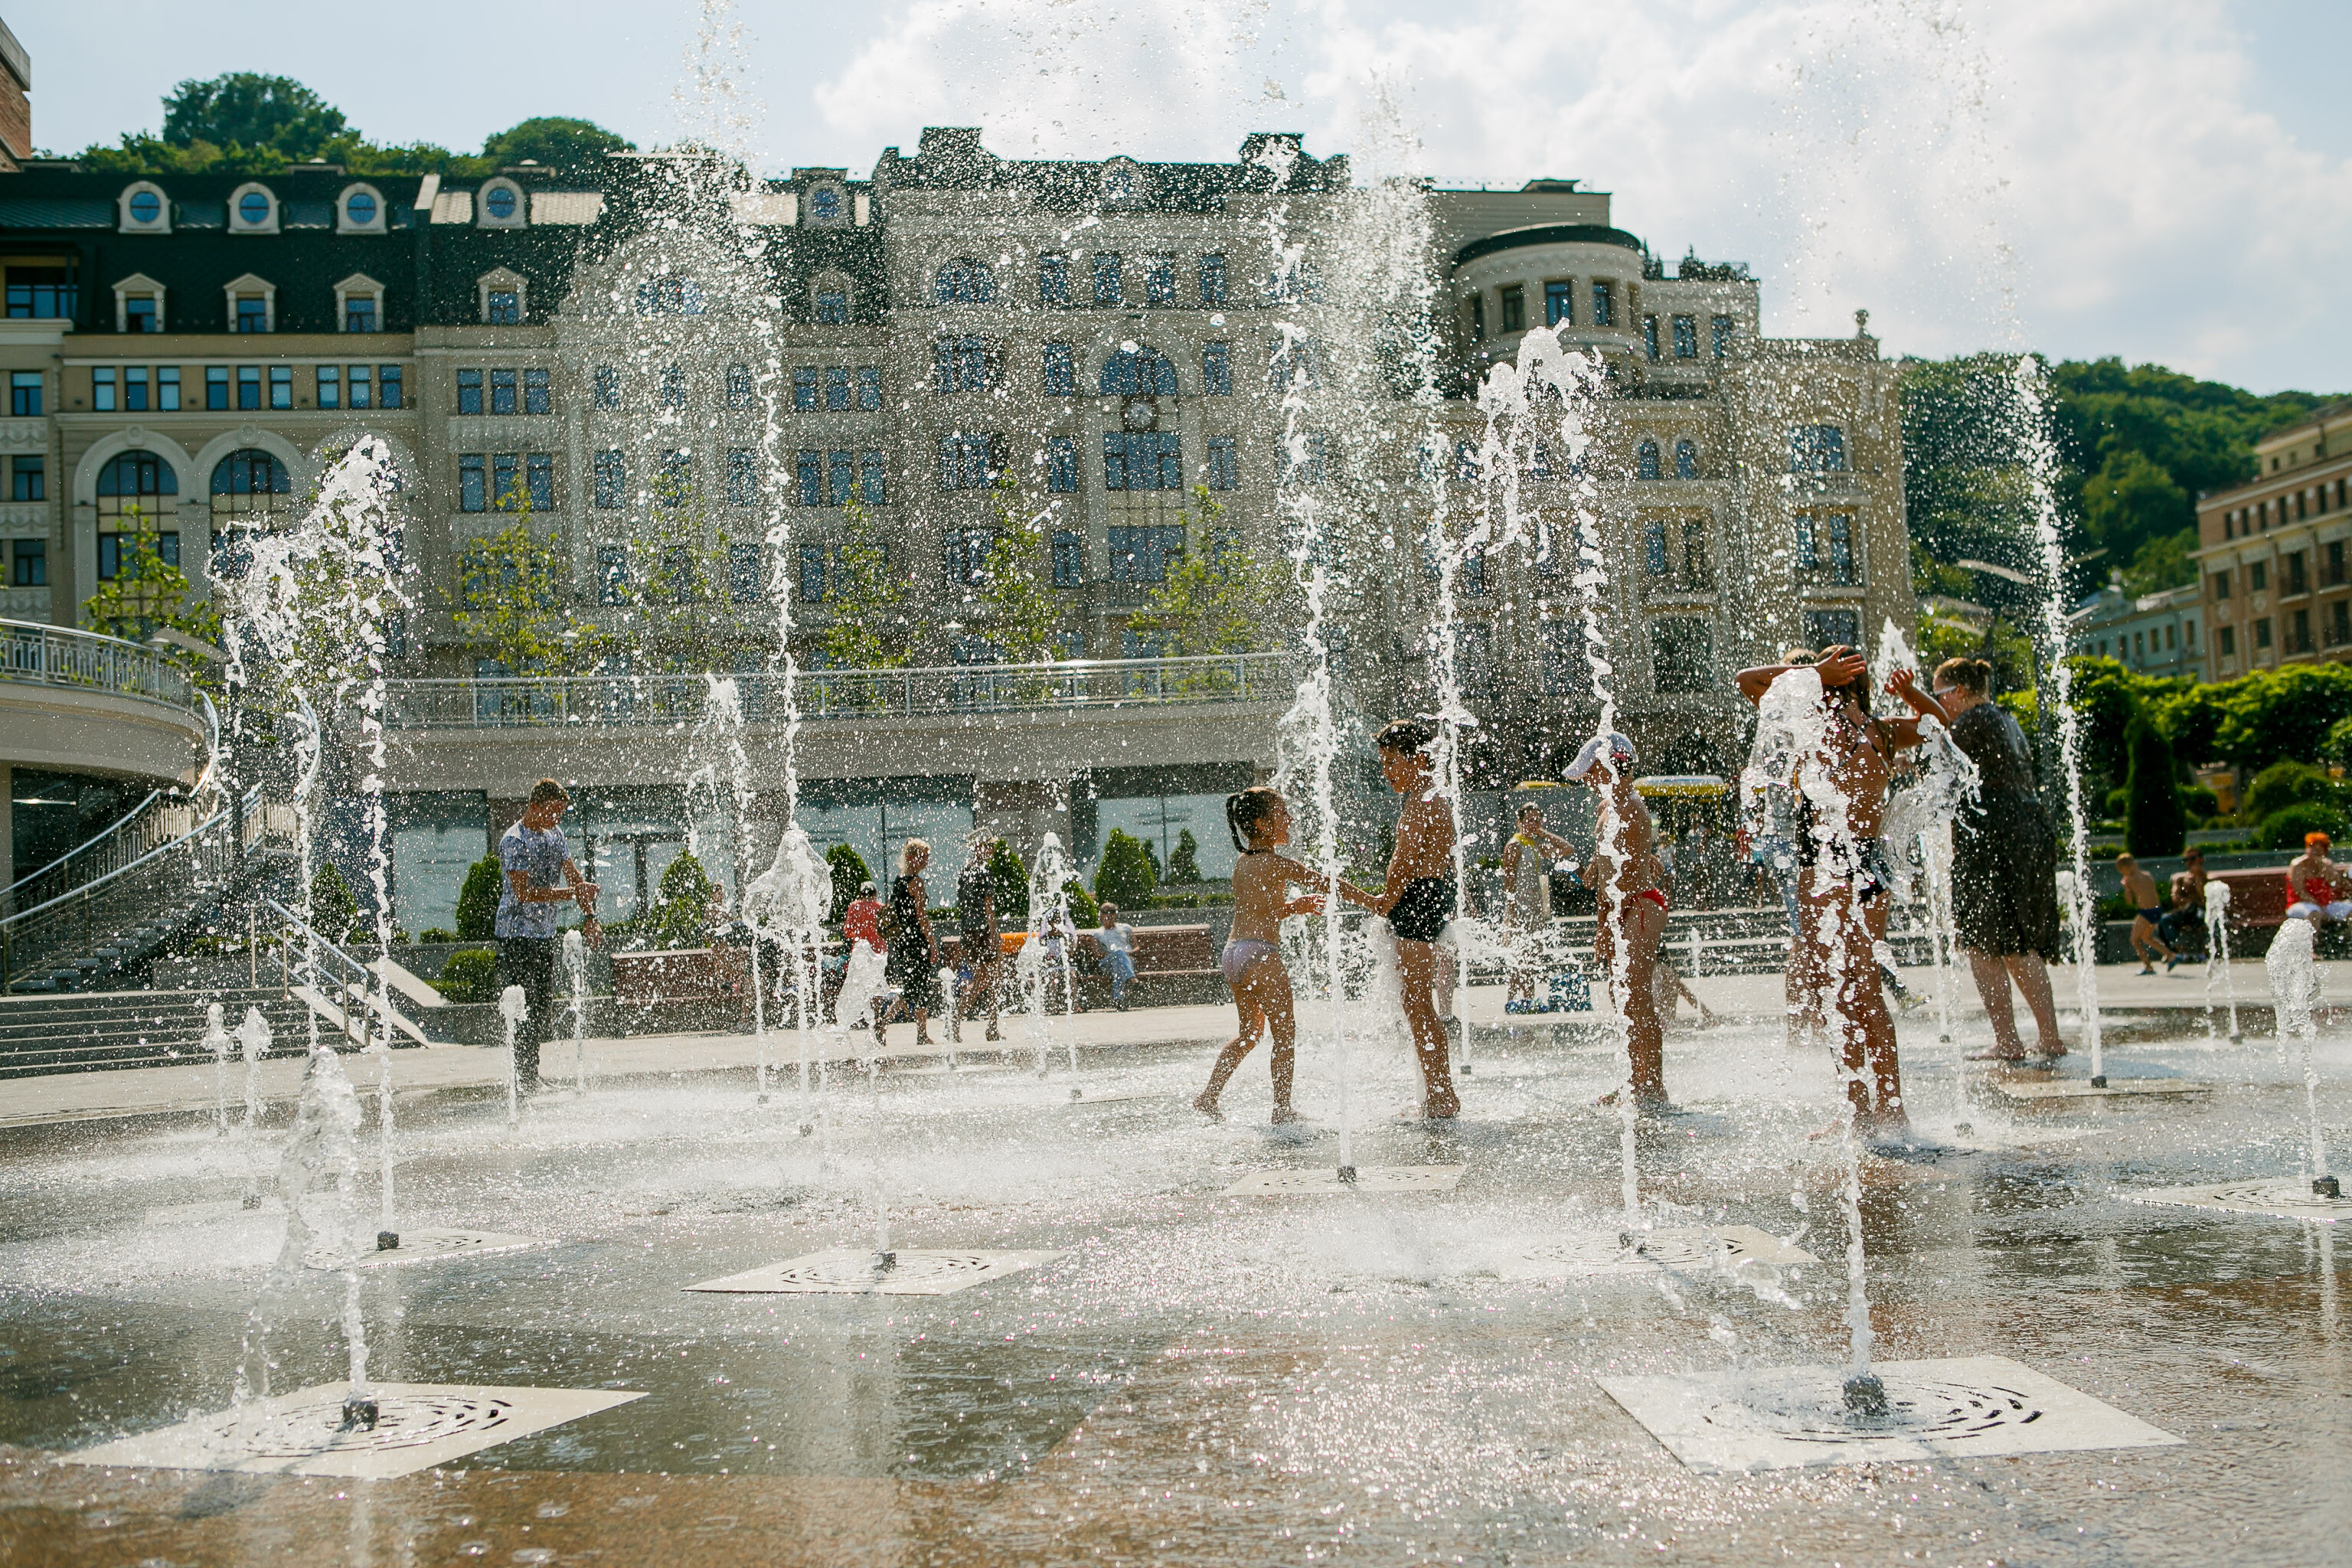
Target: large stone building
2271, 552
662, 358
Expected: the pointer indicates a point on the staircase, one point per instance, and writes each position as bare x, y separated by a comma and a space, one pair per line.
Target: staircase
103, 1030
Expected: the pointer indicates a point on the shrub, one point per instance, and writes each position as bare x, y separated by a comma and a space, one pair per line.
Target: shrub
1127, 874
332, 907
477, 899
1183, 862
1084, 910
849, 870
435, 933
2201, 801
1008, 880
2154, 823
2284, 828
2119, 801
682, 917
2283, 784
470, 975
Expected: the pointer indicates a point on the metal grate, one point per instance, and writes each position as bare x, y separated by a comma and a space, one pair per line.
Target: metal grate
2286, 1199
1681, 1249
847, 1271
429, 1246
1363, 1179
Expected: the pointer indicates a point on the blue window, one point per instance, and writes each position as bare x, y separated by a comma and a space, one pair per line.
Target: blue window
248, 386
1557, 298
738, 386
387, 380
30, 480
30, 567
499, 201
969, 462
1833, 628
469, 392
502, 308
215, 388
25, 392
669, 297
1142, 460
1465, 461
1720, 326
1061, 464
1159, 280
1069, 559
742, 477
743, 574
42, 293
1144, 555
810, 472
869, 387
1841, 548
966, 562
503, 392
146, 207
805, 388
1687, 337
812, 575
824, 204
140, 314
1307, 470
1212, 278
472, 485
842, 468
1653, 548
358, 207
252, 313
673, 386
1650, 336
836, 387
874, 479
832, 307
1107, 268
253, 208
539, 473
1224, 463
1646, 460
359, 313
1602, 314
965, 281
536, 396
1816, 449
1217, 369
102, 389
1053, 280
962, 364
1145, 371
1685, 459
612, 480
1060, 371
608, 386
612, 573
504, 494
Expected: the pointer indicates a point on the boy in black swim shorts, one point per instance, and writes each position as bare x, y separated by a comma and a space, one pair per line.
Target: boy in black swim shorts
1419, 898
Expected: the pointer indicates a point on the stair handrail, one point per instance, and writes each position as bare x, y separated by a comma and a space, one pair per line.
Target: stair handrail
123, 841
352, 978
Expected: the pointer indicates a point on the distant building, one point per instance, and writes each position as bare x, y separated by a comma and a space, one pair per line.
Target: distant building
2271, 552
2151, 634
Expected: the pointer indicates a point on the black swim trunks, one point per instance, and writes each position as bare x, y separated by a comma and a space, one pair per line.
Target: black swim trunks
1422, 911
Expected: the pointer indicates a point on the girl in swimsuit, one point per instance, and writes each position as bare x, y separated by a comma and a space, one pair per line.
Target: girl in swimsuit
1633, 906
1259, 820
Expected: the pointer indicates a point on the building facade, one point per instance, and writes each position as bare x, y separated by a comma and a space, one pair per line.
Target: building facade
2271, 552
2150, 633
663, 373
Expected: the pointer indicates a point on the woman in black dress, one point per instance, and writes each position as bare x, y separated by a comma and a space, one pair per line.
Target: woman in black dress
2004, 865
913, 962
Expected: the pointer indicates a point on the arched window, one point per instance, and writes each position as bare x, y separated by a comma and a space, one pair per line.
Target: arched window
252, 493
1139, 372
965, 281
1685, 459
1646, 460
131, 492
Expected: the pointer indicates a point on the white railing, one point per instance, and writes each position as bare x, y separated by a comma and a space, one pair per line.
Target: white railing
485, 702
60, 656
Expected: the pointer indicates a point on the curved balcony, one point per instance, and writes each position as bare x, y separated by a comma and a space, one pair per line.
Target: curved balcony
81, 702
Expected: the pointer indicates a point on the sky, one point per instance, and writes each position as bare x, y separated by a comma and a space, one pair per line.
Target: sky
2169, 180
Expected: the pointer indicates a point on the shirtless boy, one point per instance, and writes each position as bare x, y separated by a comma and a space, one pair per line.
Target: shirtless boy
1633, 906
1845, 870
1418, 899
2139, 891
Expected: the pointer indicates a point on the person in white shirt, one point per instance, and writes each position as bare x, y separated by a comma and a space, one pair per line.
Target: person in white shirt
1117, 944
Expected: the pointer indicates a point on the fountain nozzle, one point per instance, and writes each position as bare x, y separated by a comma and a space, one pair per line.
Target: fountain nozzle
387, 1241
1348, 1174
884, 1260
358, 1414
2098, 1081
1077, 1094
1865, 1395
2327, 1187
250, 1201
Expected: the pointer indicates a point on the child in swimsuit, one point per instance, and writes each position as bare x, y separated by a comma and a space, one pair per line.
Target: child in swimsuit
1633, 906
1259, 820
1419, 900
2140, 888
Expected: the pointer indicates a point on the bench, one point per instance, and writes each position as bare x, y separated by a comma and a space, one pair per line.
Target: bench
698, 987
2258, 902
1172, 964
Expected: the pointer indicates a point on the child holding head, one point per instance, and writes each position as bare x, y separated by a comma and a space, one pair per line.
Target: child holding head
1259, 820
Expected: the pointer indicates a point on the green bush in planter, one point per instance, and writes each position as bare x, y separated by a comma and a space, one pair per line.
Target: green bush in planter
471, 975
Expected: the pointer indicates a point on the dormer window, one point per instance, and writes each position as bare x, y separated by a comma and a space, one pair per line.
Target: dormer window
252, 305
1122, 181
829, 299
252, 209
502, 205
358, 304
500, 297
825, 205
139, 304
143, 208
360, 210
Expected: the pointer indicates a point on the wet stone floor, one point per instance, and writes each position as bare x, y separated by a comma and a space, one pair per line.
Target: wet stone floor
1365, 1376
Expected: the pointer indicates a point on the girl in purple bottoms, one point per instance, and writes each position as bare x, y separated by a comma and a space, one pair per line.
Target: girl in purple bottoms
1259, 820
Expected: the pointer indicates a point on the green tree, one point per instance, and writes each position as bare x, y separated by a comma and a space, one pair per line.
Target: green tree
148, 592
1184, 862
2154, 822
848, 871
1015, 590
2283, 784
570, 147
2133, 505
682, 915
1223, 600
1008, 883
2284, 828
332, 910
244, 109
871, 623
1125, 877
477, 899
2273, 715
515, 599
1084, 913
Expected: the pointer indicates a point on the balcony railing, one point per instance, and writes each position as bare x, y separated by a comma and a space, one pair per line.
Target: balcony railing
948, 691
58, 656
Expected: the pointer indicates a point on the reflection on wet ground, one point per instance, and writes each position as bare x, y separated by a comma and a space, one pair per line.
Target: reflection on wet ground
1201, 1378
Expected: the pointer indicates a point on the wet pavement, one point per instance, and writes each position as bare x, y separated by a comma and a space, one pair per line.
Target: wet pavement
1362, 1377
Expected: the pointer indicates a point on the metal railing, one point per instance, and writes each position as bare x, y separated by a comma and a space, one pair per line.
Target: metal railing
164, 884
333, 975
60, 656
496, 702
162, 816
